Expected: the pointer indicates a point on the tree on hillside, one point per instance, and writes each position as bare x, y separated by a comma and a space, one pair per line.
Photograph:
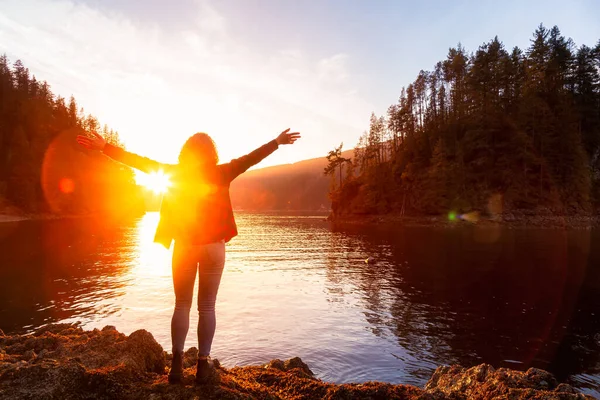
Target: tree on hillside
41, 165
522, 125
336, 161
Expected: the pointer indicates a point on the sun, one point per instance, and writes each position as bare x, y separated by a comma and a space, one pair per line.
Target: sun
157, 181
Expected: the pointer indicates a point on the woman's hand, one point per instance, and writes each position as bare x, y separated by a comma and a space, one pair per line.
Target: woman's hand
96, 142
287, 138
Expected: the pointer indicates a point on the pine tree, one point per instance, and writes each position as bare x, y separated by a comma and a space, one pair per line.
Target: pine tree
524, 126
38, 151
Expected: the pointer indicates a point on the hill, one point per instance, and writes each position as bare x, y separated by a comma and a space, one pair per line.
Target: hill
298, 186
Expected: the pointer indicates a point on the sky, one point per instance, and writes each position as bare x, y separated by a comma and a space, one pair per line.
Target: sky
244, 70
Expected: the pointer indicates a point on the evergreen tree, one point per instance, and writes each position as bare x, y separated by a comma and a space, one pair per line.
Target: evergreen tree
41, 167
524, 126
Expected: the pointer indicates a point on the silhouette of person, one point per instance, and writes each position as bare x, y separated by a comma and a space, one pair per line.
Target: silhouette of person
196, 215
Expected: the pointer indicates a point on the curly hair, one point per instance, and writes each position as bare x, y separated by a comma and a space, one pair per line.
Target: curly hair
199, 149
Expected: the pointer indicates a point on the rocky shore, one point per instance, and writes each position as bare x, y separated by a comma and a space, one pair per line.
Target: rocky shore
65, 362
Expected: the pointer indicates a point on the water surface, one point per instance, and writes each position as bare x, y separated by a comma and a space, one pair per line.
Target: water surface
356, 303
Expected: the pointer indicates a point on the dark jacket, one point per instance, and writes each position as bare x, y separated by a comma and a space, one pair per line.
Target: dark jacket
197, 207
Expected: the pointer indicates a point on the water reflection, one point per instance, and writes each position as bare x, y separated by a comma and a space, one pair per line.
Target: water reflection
148, 295
357, 304
56, 270
513, 301
152, 258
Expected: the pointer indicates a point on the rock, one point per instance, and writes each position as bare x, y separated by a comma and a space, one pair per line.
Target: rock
190, 357
276, 364
106, 364
542, 380
564, 388
484, 382
2, 333
109, 328
28, 355
63, 329
297, 363
144, 353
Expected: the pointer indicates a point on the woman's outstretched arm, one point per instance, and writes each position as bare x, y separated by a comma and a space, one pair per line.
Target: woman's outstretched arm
118, 154
239, 165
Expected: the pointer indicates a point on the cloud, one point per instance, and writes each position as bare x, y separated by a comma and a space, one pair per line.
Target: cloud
209, 20
157, 85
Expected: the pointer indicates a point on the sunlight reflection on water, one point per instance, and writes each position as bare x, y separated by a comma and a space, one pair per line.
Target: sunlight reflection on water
280, 297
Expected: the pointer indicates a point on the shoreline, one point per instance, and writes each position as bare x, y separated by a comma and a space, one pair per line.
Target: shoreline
36, 217
508, 220
63, 361
44, 217
12, 218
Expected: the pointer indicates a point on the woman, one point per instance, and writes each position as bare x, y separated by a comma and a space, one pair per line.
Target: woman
196, 214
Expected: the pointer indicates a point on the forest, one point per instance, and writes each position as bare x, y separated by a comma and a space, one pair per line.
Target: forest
42, 169
514, 129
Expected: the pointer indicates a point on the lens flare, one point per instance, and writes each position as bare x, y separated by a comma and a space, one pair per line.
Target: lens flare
59, 181
66, 185
470, 217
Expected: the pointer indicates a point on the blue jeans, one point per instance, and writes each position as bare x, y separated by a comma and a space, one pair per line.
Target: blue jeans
208, 260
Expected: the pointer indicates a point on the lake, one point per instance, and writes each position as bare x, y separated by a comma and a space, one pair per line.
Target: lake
356, 303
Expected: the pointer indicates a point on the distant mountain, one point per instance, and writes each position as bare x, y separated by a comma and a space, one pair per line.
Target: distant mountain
297, 186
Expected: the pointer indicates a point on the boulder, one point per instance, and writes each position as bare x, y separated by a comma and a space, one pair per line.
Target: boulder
485, 382
297, 363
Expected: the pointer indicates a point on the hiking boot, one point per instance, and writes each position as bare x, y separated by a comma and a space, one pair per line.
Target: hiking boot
206, 372
176, 373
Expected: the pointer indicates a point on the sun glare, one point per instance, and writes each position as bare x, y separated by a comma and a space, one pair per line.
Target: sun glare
157, 181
